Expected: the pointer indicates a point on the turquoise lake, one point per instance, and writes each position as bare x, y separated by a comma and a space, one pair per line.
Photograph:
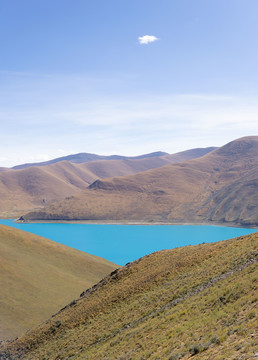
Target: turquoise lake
124, 243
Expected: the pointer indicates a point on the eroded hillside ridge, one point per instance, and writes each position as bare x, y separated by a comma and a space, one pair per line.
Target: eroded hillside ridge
219, 187
173, 304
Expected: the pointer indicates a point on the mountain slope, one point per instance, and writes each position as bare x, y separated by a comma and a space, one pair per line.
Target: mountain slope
36, 186
38, 276
220, 186
173, 304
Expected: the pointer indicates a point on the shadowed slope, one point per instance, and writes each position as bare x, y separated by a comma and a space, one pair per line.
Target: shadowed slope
172, 304
220, 186
38, 276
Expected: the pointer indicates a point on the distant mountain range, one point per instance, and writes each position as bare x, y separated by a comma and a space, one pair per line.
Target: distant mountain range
195, 302
221, 186
85, 157
32, 186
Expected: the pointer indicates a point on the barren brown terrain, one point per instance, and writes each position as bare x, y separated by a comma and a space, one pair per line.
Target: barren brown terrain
218, 187
33, 187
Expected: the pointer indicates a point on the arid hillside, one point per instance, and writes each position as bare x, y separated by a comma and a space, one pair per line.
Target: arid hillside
33, 187
195, 302
38, 276
221, 186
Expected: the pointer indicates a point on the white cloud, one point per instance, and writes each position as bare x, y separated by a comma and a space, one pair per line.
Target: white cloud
146, 39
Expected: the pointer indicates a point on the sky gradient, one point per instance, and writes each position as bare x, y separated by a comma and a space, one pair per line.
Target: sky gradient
74, 76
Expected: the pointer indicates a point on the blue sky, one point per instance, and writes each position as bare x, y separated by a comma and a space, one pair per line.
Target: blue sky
75, 78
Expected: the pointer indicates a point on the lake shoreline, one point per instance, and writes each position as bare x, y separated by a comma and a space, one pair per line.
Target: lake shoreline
139, 223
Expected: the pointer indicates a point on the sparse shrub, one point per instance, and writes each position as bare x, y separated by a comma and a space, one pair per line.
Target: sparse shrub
238, 347
251, 315
195, 349
215, 340
206, 346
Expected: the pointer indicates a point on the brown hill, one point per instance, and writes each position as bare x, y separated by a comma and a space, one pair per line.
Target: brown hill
111, 168
191, 302
38, 276
220, 186
34, 187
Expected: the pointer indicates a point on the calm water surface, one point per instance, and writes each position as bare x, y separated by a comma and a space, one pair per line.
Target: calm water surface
124, 243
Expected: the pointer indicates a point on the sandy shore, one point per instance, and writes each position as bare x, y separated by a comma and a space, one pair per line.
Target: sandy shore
127, 222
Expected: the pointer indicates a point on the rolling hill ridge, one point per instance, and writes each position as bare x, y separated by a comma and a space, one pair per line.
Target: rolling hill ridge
220, 186
33, 186
86, 157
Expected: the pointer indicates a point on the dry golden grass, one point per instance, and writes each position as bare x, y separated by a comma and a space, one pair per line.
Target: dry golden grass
38, 276
220, 186
191, 302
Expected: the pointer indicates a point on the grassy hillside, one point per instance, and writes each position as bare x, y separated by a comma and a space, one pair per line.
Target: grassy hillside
35, 186
38, 276
220, 186
191, 302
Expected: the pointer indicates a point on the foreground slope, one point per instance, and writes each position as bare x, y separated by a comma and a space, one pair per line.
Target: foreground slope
221, 186
29, 187
38, 276
173, 304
